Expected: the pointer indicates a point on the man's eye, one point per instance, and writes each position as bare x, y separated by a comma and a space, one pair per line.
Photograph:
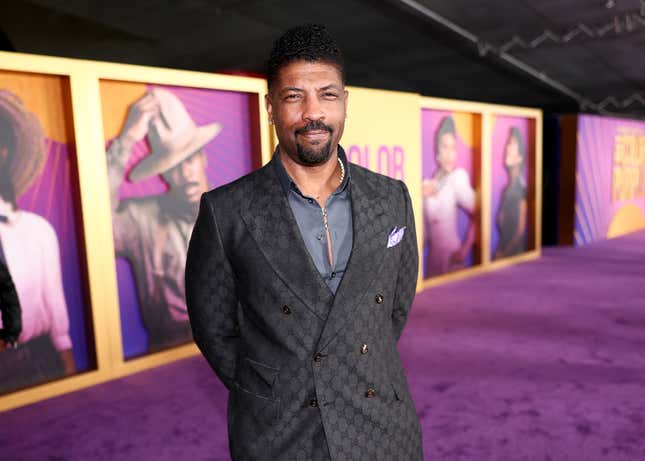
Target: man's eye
292, 97
330, 95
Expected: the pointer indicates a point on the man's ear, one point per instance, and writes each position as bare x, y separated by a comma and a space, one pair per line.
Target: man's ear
269, 107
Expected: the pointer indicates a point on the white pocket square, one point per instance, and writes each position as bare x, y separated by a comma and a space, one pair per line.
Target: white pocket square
395, 236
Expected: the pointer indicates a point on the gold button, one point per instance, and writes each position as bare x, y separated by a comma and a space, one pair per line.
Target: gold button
313, 403
286, 310
370, 393
364, 349
317, 357
379, 298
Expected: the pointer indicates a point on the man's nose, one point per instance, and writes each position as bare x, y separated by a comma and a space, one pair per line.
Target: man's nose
313, 109
184, 170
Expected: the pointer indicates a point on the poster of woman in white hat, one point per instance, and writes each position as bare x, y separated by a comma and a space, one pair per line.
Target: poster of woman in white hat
38, 232
165, 147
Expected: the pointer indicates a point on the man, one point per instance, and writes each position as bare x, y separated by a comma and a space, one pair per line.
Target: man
153, 232
299, 280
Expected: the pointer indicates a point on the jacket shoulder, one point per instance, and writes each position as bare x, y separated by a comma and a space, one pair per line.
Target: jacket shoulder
238, 192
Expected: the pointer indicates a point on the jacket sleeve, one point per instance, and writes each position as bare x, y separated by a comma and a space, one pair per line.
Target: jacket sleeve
211, 295
408, 270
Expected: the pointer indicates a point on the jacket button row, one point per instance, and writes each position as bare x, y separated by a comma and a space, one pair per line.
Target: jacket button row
378, 298
370, 393
286, 310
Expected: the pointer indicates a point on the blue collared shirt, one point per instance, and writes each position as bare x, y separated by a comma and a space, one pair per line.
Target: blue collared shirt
309, 216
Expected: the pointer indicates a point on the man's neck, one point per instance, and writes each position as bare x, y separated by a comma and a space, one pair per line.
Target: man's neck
318, 181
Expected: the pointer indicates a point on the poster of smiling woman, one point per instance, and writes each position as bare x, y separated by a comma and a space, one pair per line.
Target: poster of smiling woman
451, 143
39, 233
165, 146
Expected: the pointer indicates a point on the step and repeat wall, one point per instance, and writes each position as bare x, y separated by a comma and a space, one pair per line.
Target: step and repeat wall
102, 166
601, 178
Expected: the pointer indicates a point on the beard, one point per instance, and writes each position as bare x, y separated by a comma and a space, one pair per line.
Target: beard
318, 153
311, 156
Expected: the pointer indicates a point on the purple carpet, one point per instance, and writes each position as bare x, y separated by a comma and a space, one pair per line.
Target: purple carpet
541, 361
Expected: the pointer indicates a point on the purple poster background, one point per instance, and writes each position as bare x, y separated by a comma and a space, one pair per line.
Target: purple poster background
52, 197
594, 209
430, 120
501, 128
230, 156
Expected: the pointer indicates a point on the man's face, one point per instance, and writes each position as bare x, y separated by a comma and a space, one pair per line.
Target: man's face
308, 105
447, 157
188, 179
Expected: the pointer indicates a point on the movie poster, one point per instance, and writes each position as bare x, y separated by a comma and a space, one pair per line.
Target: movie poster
165, 146
451, 151
512, 187
44, 305
610, 178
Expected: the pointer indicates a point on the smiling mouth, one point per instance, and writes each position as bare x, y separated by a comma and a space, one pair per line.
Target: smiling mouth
313, 133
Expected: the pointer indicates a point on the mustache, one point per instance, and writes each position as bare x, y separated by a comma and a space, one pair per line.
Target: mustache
314, 125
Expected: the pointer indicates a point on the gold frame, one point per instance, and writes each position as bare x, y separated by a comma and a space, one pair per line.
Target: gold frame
84, 77
487, 111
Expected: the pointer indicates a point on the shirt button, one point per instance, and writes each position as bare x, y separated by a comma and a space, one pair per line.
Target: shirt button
370, 393
320, 236
332, 275
286, 310
317, 357
313, 403
379, 298
364, 349
311, 201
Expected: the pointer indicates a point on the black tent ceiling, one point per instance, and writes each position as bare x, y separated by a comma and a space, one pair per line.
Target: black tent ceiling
564, 55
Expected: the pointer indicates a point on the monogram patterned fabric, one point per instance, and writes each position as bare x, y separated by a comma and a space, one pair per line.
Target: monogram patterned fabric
312, 376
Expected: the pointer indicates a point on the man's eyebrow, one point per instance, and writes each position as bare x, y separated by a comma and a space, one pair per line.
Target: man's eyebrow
291, 88
331, 86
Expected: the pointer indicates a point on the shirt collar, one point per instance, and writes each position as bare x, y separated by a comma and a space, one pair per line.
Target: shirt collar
289, 184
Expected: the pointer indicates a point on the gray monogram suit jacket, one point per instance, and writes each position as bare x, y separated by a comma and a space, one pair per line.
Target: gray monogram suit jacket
312, 376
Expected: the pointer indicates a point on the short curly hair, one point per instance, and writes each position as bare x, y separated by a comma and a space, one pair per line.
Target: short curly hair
309, 42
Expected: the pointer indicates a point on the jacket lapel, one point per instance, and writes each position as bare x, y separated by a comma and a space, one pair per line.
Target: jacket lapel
370, 226
270, 221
